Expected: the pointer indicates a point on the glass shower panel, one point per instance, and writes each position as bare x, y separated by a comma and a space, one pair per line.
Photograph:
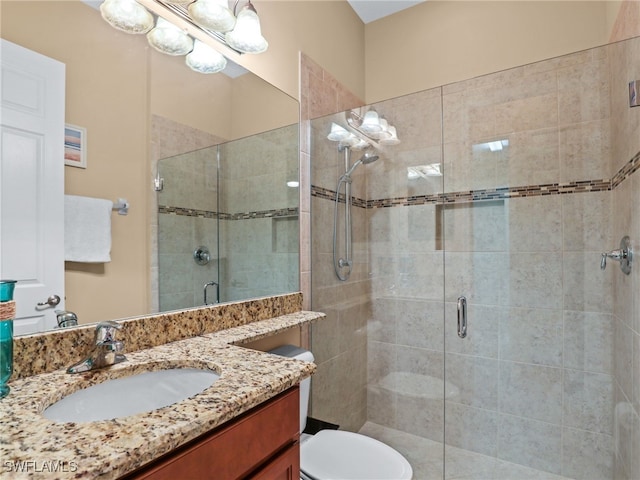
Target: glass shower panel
405, 384
380, 351
187, 221
525, 214
259, 199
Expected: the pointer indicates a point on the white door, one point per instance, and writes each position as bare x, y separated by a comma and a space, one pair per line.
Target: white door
32, 183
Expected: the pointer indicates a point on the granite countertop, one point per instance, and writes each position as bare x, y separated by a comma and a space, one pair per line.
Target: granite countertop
32, 446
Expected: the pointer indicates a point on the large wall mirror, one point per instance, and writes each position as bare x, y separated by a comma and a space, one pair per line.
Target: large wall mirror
225, 145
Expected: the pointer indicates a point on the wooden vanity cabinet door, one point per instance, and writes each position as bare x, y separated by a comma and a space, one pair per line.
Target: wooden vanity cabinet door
285, 466
262, 444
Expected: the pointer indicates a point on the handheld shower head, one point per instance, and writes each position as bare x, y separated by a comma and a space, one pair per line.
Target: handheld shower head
368, 158
365, 159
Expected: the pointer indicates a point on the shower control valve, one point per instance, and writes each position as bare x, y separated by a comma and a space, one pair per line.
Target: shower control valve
624, 255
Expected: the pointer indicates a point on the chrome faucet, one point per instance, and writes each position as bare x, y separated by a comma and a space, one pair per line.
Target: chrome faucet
107, 350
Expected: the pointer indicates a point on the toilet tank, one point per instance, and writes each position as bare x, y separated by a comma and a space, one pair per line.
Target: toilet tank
291, 351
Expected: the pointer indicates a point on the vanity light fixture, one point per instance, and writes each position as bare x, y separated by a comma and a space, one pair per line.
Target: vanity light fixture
358, 143
204, 59
338, 133
213, 14
371, 123
169, 39
364, 131
126, 15
373, 126
212, 18
246, 36
391, 138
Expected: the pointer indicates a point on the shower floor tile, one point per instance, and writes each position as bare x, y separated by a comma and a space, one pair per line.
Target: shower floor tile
426, 459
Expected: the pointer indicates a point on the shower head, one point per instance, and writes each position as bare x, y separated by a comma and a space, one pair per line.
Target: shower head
368, 158
365, 159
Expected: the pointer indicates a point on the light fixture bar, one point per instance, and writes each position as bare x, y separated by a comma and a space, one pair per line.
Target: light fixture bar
179, 16
353, 120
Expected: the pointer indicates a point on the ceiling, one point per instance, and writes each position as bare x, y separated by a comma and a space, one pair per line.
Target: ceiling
371, 10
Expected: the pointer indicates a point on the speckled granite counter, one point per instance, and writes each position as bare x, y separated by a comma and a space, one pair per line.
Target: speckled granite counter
33, 447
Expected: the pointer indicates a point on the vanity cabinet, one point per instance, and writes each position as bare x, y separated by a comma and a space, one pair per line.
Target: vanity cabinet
261, 444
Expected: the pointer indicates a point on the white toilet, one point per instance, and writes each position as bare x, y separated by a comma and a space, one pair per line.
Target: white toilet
336, 454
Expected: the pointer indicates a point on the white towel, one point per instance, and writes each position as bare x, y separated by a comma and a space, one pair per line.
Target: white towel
87, 229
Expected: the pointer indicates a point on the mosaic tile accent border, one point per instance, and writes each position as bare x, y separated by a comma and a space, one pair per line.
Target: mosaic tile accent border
625, 172
327, 194
192, 212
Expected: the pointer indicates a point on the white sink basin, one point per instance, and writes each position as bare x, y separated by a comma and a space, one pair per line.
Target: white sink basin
131, 395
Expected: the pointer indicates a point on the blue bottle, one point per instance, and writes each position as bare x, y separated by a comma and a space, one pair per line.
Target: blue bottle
7, 311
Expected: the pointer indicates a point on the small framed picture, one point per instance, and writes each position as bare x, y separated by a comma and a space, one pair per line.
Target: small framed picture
75, 146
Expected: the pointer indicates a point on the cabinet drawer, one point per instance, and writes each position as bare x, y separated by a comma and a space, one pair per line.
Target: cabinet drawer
235, 449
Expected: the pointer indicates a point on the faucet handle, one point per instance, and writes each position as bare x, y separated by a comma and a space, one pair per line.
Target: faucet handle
106, 331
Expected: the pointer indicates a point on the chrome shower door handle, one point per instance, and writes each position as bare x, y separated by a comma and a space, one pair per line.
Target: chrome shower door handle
462, 317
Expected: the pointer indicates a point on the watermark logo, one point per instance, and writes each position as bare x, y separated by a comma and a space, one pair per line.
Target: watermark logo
40, 466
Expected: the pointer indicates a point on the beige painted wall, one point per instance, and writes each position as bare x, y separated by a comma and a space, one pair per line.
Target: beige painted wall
106, 93
229, 108
258, 107
439, 42
328, 31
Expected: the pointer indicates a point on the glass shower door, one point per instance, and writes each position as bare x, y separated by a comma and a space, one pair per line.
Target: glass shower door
529, 389
188, 230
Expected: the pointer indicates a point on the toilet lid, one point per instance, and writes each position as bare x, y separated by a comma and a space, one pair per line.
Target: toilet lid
334, 454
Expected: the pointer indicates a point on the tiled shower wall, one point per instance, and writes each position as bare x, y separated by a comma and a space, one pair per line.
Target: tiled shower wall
625, 143
259, 233
552, 350
338, 393
190, 190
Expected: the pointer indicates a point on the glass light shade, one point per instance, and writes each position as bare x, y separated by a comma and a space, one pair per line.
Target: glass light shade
371, 122
127, 15
384, 129
213, 14
247, 36
204, 59
359, 144
338, 133
392, 139
169, 39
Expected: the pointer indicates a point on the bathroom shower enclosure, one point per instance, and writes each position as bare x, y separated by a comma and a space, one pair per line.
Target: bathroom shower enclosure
538, 165
228, 221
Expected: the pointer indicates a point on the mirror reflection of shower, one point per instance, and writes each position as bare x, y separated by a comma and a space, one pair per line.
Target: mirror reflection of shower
339, 264
361, 131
